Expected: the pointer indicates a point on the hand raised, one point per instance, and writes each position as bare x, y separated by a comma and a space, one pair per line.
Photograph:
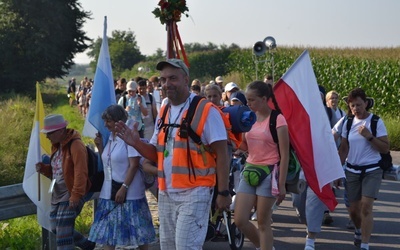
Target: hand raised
129, 136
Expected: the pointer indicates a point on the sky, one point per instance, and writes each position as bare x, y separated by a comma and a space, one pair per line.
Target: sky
306, 23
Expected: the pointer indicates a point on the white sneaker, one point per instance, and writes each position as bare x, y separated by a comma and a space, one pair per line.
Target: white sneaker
254, 216
259, 248
309, 247
232, 206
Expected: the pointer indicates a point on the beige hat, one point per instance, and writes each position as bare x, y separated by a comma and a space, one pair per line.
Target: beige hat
53, 123
219, 79
131, 85
176, 63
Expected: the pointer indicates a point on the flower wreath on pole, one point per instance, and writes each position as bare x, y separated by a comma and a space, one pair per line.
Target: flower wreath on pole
169, 12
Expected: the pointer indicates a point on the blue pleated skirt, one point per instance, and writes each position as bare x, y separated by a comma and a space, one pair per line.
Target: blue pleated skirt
128, 224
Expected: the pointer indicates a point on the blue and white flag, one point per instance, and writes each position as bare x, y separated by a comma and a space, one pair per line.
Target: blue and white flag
103, 93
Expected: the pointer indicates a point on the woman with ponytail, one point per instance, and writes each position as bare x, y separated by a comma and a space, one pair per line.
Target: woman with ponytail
263, 154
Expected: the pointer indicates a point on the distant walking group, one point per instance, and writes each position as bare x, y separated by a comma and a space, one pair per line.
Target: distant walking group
161, 141
80, 95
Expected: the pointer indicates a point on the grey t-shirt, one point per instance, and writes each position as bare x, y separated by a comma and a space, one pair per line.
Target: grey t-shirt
60, 191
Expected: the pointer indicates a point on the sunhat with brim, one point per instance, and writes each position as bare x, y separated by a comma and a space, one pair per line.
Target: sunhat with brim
219, 79
53, 123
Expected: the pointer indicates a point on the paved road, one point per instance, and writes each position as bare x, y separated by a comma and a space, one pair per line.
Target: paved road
289, 234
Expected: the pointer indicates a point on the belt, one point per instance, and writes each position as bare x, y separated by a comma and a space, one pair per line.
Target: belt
363, 167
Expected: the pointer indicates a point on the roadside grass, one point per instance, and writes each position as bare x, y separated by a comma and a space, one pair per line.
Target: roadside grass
25, 232
393, 129
15, 127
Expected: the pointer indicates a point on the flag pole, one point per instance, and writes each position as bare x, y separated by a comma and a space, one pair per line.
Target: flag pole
38, 195
38, 141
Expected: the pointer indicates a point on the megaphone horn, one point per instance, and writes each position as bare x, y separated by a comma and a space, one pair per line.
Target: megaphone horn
259, 48
270, 42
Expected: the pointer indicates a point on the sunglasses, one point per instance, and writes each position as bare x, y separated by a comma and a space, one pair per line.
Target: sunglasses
52, 132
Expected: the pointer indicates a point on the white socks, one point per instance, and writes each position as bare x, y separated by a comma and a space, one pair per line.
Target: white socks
310, 242
364, 246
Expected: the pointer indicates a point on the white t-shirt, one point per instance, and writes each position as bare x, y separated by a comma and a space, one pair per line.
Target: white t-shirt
157, 98
339, 126
148, 120
163, 102
361, 152
338, 113
134, 113
116, 154
214, 130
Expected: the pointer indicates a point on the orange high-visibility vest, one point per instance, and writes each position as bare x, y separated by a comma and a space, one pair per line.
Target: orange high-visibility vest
235, 138
192, 166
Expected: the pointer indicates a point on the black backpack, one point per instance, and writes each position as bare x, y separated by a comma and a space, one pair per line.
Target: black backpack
151, 99
386, 159
96, 177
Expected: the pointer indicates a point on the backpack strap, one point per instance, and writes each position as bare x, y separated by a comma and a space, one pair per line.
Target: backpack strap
329, 112
70, 144
189, 117
272, 128
151, 99
341, 112
124, 101
374, 124
161, 122
350, 119
272, 125
185, 128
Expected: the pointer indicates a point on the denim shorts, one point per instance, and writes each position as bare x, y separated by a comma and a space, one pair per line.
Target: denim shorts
264, 189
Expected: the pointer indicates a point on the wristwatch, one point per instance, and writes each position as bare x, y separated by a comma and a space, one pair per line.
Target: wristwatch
224, 193
125, 186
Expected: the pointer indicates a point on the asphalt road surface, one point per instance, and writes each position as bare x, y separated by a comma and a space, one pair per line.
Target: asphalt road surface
289, 234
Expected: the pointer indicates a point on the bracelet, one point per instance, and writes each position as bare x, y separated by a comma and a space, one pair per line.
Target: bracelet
125, 186
371, 138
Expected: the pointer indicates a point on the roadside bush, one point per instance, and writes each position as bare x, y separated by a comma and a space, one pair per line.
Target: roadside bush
20, 233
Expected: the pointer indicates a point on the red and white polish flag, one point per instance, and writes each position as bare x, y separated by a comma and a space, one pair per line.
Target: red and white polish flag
310, 133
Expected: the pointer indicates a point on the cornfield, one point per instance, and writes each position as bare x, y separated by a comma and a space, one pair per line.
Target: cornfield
377, 71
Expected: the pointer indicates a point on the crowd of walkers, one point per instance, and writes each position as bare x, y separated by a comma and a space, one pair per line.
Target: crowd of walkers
190, 173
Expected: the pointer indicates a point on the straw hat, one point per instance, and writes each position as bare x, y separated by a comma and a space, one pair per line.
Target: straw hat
53, 123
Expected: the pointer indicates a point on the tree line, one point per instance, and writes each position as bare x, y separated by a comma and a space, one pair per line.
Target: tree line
39, 39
